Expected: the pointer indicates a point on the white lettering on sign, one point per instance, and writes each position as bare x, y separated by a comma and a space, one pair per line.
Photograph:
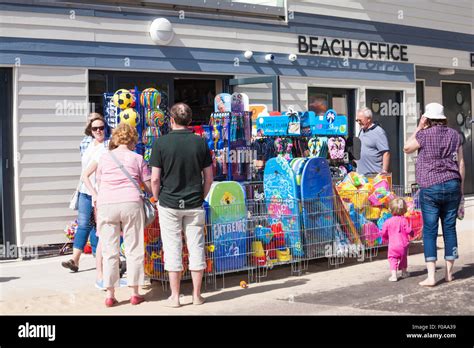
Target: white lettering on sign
219, 230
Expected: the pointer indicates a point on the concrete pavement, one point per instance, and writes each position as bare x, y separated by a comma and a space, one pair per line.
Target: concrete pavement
354, 288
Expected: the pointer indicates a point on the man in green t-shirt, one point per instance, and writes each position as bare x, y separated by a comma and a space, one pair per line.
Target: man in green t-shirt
181, 178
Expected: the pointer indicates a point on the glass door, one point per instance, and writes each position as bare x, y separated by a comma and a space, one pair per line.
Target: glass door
321, 99
457, 108
273, 81
387, 111
7, 214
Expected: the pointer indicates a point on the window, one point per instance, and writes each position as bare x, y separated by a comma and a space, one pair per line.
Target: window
198, 91
321, 99
101, 82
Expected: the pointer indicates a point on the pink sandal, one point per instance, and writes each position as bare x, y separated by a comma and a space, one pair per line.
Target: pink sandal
134, 300
110, 302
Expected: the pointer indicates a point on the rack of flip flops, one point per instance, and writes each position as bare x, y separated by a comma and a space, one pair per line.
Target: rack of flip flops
328, 141
367, 198
228, 136
304, 134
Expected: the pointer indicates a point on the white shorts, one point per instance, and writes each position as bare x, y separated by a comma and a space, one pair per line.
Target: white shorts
173, 222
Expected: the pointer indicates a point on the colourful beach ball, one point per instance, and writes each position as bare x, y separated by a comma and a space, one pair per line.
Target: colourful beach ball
150, 98
123, 99
130, 116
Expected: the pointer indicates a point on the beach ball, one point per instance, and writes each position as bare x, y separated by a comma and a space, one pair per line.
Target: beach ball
150, 98
130, 116
123, 99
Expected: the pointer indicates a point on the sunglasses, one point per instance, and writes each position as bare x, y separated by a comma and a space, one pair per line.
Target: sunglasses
95, 129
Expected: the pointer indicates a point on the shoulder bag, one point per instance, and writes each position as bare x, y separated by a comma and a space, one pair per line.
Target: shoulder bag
148, 207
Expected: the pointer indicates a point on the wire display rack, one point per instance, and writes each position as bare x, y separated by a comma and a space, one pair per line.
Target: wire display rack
252, 239
369, 219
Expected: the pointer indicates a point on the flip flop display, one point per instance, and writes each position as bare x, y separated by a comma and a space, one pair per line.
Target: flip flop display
336, 146
318, 147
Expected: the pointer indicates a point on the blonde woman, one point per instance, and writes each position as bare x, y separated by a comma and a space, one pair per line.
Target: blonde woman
120, 207
96, 147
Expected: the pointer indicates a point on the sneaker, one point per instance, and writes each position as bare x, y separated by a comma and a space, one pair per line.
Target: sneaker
99, 284
71, 265
170, 303
393, 279
198, 301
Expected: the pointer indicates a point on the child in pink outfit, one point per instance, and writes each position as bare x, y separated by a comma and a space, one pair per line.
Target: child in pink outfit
396, 230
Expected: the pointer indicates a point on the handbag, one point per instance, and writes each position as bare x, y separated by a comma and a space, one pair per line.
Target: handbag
148, 207
74, 202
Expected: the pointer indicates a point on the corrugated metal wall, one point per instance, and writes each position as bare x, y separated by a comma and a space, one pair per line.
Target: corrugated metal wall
435, 14
51, 112
127, 31
49, 162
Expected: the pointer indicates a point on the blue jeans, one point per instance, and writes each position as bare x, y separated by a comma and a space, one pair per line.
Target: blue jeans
84, 226
440, 201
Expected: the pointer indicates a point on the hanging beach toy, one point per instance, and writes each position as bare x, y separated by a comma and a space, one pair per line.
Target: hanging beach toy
147, 154
155, 118
149, 135
150, 98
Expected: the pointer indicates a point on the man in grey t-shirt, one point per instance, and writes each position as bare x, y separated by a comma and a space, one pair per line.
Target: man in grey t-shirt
375, 152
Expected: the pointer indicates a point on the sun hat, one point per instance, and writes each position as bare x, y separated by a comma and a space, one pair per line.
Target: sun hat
434, 111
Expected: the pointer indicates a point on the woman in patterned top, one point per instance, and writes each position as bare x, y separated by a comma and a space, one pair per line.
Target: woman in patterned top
440, 173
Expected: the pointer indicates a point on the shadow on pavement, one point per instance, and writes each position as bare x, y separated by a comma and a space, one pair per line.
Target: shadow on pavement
404, 296
254, 290
157, 293
7, 279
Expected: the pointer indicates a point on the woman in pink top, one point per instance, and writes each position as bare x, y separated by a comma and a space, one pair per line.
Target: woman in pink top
120, 207
396, 230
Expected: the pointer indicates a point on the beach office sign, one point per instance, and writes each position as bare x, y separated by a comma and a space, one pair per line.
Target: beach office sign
343, 48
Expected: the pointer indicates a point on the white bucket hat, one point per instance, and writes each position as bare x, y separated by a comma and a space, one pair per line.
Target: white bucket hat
434, 111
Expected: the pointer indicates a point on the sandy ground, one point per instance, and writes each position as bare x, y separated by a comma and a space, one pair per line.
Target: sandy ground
353, 288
